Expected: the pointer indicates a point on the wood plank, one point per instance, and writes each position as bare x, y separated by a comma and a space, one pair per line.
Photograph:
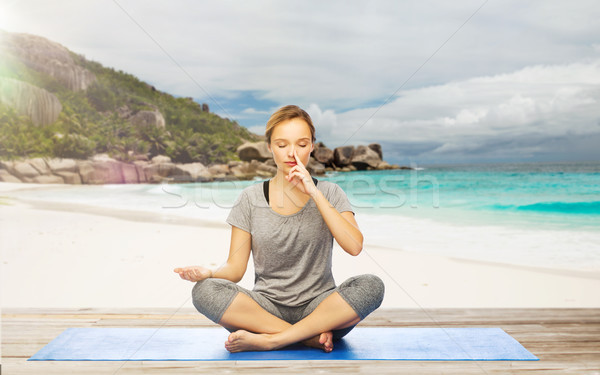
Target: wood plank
566, 341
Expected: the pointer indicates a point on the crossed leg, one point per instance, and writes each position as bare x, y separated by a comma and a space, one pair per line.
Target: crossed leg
257, 329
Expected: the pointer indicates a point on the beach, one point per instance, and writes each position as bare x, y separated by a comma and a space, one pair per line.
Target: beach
66, 265
59, 255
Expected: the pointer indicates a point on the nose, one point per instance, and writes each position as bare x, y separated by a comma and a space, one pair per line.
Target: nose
291, 152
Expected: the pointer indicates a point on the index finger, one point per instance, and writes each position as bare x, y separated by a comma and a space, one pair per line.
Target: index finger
297, 158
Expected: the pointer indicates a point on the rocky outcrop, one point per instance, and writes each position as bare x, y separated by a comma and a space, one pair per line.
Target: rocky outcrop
323, 155
342, 156
377, 148
197, 172
38, 104
7, 177
364, 157
102, 169
314, 167
146, 119
47, 57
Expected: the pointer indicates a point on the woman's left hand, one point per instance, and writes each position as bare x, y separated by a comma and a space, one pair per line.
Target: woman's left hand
300, 177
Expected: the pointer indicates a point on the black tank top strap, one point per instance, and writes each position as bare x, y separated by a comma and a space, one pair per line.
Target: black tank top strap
266, 187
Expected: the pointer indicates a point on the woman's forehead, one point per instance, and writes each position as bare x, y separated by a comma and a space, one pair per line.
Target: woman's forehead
294, 129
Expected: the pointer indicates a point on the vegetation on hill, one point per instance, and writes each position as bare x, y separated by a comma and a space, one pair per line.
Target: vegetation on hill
97, 120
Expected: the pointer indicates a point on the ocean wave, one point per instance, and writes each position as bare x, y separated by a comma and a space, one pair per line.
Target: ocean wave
581, 208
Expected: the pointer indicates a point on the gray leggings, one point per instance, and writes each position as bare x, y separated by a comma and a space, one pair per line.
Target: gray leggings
363, 293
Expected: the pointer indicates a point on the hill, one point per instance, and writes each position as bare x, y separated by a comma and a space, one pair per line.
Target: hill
56, 103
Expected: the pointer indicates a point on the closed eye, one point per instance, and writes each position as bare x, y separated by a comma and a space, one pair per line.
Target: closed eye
282, 146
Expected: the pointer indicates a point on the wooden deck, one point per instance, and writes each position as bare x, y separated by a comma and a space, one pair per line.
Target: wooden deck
567, 341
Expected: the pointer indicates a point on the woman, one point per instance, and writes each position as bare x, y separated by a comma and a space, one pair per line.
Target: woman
288, 223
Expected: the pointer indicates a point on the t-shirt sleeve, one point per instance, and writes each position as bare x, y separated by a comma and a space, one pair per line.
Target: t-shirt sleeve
240, 213
339, 200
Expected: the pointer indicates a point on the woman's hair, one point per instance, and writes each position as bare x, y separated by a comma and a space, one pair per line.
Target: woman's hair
287, 113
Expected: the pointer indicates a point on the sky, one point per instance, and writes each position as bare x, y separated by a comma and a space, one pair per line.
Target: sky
434, 82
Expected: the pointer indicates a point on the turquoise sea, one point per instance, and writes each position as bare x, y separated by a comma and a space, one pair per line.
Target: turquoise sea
540, 195
535, 214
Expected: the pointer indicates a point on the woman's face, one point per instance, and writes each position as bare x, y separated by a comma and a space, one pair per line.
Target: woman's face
288, 136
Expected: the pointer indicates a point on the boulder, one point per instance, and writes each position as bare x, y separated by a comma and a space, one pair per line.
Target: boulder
48, 57
196, 171
181, 175
264, 174
105, 172
235, 163
364, 158
218, 169
204, 176
6, 164
129, 173
158, 172
254, 151
377, 148
86, 170
342, 156
140, 157
40, 165
7, 177
314, 167
62, 165
245, 170
240, 173
139, 169
24, 169
102, 157
384, 165
70, 177
148, 119
41, 106
50, 179
161, 159
252, 167
323, 155
266, 170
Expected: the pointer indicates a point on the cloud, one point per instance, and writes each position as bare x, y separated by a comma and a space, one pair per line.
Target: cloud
338, 54
512, 79
515, 115
252, 111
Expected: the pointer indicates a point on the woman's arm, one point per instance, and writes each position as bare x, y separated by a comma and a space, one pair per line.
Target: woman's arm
343, 226
235, 267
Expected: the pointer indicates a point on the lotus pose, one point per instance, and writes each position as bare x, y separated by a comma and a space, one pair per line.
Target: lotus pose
288, 223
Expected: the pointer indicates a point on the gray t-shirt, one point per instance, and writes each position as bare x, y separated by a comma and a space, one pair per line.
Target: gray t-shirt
292, 253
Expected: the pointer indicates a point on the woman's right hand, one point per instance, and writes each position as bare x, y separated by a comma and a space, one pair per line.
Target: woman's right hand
194, 273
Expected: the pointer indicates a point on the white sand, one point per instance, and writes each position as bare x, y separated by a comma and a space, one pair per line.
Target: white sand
64, 259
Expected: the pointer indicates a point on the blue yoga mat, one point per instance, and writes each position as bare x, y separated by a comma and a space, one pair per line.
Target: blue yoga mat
207, 344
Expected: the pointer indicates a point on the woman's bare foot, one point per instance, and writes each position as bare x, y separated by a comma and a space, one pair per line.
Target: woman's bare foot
244, 341
323, 341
